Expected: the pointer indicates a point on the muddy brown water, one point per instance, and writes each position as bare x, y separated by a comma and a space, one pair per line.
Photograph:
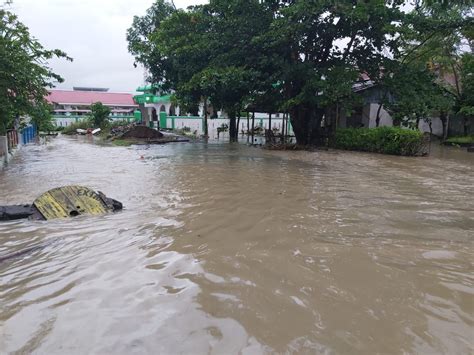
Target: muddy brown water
228, 249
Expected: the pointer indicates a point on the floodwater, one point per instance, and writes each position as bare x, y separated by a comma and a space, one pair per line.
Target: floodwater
229, 249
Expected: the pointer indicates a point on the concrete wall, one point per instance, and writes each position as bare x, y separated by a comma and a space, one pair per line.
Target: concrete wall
3, 149
386, 120
456, 126
436, 126
5, 154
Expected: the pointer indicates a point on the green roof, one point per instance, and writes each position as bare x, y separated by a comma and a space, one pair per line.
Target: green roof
151, 99
149, 87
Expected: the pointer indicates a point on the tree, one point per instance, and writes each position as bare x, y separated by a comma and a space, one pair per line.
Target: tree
24, 73
234, 71
232, 52
141, 45
100, 115
41, 116
441, 35
226, 88
204, 54
314, 40
183, 38
414, 95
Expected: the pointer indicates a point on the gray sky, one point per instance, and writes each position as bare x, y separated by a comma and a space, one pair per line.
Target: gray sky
92, 32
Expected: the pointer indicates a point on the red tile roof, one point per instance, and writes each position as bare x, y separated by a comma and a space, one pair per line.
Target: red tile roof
89, 97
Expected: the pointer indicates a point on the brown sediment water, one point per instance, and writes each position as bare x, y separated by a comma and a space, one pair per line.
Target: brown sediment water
229, 249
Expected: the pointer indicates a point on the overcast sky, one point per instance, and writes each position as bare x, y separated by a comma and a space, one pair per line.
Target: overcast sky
93, 33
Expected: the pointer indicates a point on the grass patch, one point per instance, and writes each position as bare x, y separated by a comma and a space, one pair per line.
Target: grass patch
460, 140
123, 142
385, 140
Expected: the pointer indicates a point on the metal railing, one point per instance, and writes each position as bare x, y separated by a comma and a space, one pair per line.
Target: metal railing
28, 134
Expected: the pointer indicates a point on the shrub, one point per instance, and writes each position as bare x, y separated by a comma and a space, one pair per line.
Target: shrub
71, 129
100, 114
385, 140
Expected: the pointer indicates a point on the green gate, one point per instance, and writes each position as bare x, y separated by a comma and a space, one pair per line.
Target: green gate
163, 119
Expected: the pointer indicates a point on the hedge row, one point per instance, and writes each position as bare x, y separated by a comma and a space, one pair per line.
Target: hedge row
385, 140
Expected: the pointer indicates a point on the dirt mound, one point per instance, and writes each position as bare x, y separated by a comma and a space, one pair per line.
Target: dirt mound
142, 132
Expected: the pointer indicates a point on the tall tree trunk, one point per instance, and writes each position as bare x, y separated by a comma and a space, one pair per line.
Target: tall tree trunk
448, 118
306, 122
443, 117
270, 121
205, 128
233, 133
377, 118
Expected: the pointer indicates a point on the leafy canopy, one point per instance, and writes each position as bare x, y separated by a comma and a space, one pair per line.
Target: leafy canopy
24, 72
299, 56
100, 114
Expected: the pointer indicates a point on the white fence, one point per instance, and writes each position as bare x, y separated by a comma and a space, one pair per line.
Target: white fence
64, 121
196, 124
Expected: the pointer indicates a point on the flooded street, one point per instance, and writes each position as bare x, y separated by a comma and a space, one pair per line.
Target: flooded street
229, 249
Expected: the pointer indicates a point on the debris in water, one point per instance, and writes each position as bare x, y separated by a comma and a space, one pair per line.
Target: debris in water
62, 202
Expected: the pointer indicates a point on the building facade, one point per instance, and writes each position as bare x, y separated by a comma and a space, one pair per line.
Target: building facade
71, 106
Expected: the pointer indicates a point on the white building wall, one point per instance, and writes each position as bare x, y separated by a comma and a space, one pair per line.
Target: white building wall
436, 126
386, 120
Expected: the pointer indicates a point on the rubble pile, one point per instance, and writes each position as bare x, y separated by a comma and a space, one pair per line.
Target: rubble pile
142, 132
135, 131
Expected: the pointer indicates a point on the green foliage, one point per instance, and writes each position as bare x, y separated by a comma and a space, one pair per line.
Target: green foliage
300, 56
414, 95
462, 140
100, 115
141, 45
41, 116
385, 140
466, 101
123, 142
438, 37
24, 74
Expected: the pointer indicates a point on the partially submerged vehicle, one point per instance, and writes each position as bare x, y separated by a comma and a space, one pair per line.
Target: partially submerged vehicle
62, 202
